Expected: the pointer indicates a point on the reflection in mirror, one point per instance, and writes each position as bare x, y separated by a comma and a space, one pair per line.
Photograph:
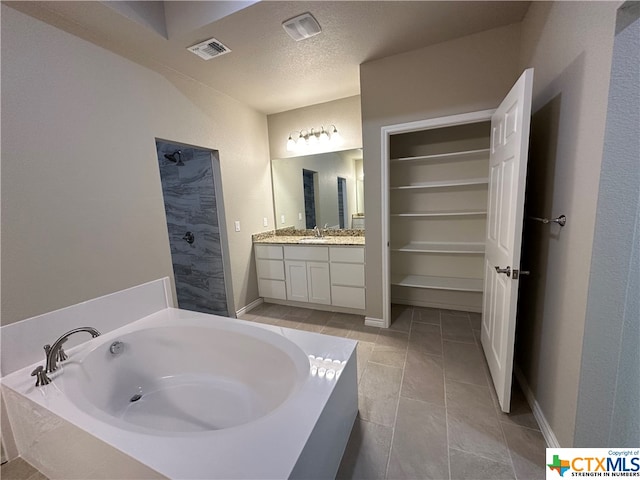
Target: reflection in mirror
322, 189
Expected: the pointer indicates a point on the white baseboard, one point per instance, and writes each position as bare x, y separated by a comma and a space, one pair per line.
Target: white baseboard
373, 322
545, 428
251, 306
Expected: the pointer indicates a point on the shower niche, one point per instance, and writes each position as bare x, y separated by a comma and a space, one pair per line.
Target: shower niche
192, 194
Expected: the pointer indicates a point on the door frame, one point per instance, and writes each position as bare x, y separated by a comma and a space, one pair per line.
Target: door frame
222, 220
385, 140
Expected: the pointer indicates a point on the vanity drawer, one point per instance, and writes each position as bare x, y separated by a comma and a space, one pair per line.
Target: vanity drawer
272, 289
316, 254
348, 274
352, 297
271, 269
347, 254
273, 252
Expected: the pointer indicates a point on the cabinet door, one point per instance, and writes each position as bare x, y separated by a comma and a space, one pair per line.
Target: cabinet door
270, 269
272, 289
347, 274
296, 272
352, 297
319, 285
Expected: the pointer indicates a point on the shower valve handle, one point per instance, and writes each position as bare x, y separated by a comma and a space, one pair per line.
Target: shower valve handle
189, 238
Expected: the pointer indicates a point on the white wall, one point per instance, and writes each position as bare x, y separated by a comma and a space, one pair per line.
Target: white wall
463, 75
82, 210
569, 44
609, 392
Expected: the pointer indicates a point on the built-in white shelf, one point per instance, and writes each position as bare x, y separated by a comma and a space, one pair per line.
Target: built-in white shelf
448, 213
463, 182
469, 154
473, 248
438, 283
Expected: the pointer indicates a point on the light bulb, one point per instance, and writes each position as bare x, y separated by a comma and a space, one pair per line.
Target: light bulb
313, 138
324, 137
301, 142
291, 144
335, 136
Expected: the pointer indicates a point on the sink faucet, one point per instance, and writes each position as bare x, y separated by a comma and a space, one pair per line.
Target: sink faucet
317, 232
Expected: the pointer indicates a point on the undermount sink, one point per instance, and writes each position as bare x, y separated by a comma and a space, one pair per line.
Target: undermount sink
313, 240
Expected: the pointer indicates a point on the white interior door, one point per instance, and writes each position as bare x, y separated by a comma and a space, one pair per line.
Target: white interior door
507, 175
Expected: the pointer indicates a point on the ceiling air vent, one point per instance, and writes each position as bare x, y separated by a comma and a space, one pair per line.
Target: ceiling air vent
302, 27
209, 49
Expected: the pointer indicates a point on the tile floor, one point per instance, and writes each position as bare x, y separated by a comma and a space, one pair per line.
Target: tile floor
427, 406
18, 469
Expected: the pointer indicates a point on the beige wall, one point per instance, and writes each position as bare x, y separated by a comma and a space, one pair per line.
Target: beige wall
343, 113
82, 209
464, 75
570, 45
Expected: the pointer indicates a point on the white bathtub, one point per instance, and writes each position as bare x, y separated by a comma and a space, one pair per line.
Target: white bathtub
191, 395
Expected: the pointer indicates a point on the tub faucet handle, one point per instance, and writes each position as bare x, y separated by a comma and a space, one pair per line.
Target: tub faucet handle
62, 356
41, 376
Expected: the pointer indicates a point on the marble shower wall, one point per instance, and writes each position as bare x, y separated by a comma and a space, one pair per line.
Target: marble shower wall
190, 206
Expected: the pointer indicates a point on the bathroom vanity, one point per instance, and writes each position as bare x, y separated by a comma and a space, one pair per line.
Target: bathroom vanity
325, 273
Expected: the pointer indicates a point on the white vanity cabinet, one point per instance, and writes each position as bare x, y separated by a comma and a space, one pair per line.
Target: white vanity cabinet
347, 277
314, 274
270, 269
307, 274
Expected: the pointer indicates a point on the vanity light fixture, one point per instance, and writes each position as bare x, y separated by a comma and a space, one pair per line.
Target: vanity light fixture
301, 139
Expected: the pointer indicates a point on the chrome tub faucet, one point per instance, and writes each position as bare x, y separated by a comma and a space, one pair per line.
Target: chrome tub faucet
54, 354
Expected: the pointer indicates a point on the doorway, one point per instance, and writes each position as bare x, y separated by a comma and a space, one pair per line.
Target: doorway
342, 201
192, 194
309, 186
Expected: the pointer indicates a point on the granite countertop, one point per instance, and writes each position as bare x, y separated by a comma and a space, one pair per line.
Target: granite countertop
291, 236
326, 240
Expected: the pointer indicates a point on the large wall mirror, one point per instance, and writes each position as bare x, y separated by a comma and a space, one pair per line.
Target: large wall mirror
320, 189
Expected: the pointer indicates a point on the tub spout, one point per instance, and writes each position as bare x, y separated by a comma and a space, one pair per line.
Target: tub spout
55, 353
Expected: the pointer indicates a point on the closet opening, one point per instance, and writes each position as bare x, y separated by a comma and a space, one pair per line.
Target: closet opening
435, 212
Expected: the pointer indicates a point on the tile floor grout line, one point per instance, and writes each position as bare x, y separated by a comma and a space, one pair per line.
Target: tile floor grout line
395, 419
487, 374
446, 409
479, 455
506, 444
513, 424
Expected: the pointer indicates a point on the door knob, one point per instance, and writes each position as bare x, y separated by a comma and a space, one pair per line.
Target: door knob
506, 270
189, 238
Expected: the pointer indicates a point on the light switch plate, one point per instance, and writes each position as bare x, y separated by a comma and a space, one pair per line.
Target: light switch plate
265, 222
281, 218
237, 223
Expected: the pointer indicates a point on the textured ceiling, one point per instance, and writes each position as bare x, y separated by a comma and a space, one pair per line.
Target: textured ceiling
266, 69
